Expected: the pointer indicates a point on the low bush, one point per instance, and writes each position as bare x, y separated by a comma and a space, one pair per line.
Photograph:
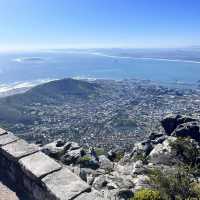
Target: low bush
175, 186
99, 151
147, 194
186, 151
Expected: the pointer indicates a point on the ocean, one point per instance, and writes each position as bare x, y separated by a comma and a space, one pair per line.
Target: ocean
34, 67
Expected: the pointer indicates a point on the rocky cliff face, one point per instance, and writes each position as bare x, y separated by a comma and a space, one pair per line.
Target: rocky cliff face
167, 164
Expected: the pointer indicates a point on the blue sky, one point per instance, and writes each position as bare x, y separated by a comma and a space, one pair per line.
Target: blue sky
27, 24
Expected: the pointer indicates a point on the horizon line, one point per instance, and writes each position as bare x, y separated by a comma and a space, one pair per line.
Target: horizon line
32, 49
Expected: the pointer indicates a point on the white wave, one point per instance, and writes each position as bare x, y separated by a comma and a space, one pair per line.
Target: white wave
20, 85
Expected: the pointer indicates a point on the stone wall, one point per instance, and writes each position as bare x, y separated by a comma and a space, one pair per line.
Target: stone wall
34, 172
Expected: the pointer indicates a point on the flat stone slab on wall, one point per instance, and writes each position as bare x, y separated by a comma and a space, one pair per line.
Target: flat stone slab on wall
2, 131
7, 138
38, 165
18, 149
65, 185
90, 196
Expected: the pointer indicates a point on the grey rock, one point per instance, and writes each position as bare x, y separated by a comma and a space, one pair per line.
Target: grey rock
105, 163
170, 122
92, 163
124, 169
138, 167
64, 185
190, 129
100, 182
56, 149
159, 140
85, 172
19, 149
112, 186
114, 153
141, 181
74, 145
38, 165
163, 153
111, 155
141, 149
72, 156
7, 138
88, 175
154, 136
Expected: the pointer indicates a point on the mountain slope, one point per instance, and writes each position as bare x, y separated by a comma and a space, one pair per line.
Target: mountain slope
54, 92
50, 92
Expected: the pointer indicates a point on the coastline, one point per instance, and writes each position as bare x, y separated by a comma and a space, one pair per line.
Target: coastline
145, 58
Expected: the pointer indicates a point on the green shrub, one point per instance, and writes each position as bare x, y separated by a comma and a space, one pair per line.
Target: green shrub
100, 151
176, 185
85, 158
186, 151
119, 156
196, 189
147, 194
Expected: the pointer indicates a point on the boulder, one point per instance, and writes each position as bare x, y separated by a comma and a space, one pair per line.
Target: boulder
170, 122
100, 182
141, 149
86, 173
159, 140
56, 149
138, 168
190, 129
154, 136
71, 157
141, 181
105, 163
163, 153
111, 155
115, 154
88, 161
73, 146
124, 169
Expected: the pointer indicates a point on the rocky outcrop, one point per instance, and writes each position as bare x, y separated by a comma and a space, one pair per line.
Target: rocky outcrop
190, 129
170, 122
181, 126
79, 173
